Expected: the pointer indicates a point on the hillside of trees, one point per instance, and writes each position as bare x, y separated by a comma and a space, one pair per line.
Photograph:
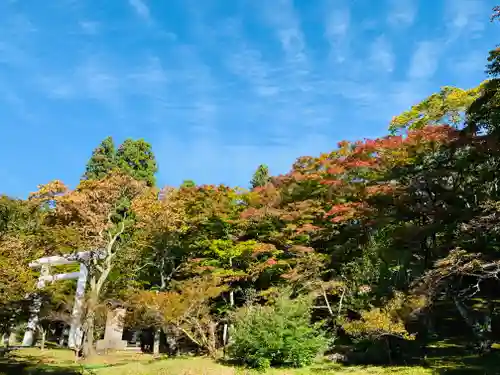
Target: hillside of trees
374, 250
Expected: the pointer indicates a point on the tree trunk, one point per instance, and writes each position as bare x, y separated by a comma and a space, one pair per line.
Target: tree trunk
212, 340
43, 332
163, 277
96, 285
388, 348
6, 337
225, 334
77, 353
88, 348
156, 345
172, 342
61, 338
481, 331
225, 329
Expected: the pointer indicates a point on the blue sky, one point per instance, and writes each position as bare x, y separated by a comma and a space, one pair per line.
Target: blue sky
219, 86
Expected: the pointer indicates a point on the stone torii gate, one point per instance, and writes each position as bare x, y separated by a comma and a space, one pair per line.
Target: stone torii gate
75, 333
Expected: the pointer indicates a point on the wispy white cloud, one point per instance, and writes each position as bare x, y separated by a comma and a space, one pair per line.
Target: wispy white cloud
247, 63
381, 54
337, 26
424, 61
402, 12
17, 41
237, 160
91, 79
338, 21
363, 93
89, 27
272, 106
98, 81
15, 103
151, 74
282, 16
288, 80
204, 91
21, 25
466, 17
468, 63
403, 94
261, 82
14, 55
141, 8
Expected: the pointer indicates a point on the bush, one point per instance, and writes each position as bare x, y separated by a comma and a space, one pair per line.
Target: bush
278, 335
380, 335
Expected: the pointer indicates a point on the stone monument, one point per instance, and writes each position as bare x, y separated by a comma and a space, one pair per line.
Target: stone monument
113, 332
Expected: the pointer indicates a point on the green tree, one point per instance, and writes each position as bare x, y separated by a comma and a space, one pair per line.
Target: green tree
260, 177
448, 106
188, 184
102, 161
136, 158
19, 226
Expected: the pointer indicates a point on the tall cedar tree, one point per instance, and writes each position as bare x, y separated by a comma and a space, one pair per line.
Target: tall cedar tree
134, 158
102, 161
260, 177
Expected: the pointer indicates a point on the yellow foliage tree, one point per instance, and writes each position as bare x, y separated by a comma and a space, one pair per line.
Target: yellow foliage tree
187, 309
93, 217
448, 106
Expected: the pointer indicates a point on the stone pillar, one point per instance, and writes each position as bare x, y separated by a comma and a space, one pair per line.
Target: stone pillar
113, 332
64, 334
75, 336
13, 339
29, 335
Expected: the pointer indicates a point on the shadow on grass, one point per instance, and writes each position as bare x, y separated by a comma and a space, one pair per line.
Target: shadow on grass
457, 360
12, 366
445, 357
30, 365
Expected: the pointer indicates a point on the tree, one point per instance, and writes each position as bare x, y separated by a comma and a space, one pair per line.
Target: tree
136, 158
496, 13
260, 177
15, 277
187, 309
102, 161
188, 184
377, 232
19, 228
445, 107
163, 225
466, 272
16, 282
97, 217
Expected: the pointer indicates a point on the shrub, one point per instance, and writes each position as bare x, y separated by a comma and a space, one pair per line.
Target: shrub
277, 335
386, 321
381, 333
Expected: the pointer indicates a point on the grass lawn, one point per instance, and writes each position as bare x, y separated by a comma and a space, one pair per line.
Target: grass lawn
60, 362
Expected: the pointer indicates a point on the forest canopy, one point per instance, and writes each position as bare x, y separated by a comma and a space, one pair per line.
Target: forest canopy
394, 238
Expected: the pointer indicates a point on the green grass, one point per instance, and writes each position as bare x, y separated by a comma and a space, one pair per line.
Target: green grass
444, 358
61, 362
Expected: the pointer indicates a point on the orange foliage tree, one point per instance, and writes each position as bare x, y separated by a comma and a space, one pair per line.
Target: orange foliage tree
96, 216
